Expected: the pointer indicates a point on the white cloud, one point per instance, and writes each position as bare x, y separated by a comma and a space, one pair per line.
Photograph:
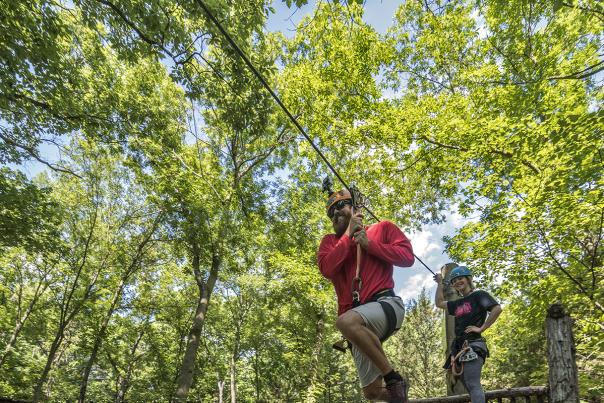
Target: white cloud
425, 243
427, 246
414, 284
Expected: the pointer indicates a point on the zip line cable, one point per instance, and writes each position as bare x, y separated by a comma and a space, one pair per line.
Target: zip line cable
283, 107
270, 90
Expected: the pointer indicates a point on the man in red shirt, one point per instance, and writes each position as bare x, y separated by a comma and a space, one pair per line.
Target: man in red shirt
375, 312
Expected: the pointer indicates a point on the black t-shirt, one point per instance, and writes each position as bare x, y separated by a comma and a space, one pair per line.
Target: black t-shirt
471, 310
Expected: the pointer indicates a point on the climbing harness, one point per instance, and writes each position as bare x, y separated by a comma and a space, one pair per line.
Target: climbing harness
342, 345
464, 355
389, 312
454, 370
379, 297
469, 355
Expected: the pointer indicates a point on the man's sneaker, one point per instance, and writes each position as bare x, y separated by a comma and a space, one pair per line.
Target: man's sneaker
398, 391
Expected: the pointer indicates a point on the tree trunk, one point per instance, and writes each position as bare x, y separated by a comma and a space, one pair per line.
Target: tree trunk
563, 381
38, 390
125, 381
233, 376
220, 390
66, 304
185, 377
315, 359
95, 349
98, 340
117, 297
258, 386
240, 318
59, 339
454, 384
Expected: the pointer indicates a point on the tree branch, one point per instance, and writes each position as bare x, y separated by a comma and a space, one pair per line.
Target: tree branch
560, 267
587, 72
32, 152
599, 13
507, 154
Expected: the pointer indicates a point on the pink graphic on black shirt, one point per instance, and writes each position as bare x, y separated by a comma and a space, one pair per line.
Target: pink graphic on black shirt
463, 309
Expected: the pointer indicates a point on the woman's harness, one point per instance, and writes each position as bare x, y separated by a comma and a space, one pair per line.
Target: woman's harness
460, 355
464, 355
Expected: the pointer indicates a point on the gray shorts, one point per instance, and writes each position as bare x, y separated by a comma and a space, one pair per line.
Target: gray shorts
375, 320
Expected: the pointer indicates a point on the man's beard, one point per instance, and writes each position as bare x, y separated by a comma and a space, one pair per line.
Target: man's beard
340, 223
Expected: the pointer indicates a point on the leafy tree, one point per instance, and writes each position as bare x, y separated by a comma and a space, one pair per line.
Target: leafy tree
517, 348
510, 114
418, 348
179, 183
59, 77
29, 216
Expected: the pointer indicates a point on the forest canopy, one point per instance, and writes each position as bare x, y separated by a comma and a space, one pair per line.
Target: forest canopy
166, 251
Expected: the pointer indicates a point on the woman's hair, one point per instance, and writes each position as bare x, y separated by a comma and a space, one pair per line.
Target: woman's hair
470, 282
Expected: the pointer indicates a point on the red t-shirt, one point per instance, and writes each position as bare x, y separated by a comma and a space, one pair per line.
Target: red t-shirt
388, 246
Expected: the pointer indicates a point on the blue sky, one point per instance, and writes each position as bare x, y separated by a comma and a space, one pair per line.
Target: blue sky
378, 13
427, 244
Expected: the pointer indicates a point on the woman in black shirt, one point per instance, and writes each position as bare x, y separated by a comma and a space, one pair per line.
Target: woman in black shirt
474, 312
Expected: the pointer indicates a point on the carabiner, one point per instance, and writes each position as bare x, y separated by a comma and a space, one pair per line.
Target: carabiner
357, 283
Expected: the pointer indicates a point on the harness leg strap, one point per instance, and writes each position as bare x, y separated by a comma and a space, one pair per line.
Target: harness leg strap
390, 319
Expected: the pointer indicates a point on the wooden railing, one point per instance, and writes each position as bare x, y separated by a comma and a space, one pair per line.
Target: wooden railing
514, 395
7, 400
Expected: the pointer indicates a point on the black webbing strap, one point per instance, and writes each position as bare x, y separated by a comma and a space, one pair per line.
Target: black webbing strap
388, 311
387, 292
343, 345
390, 319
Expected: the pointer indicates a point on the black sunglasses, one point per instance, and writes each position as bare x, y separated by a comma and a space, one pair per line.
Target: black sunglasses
338, 205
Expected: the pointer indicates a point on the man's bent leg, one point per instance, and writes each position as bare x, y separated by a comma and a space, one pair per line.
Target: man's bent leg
376, 391
371, 318
352, 326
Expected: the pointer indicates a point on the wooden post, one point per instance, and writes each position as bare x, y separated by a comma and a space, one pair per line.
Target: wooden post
454, 384
563, 381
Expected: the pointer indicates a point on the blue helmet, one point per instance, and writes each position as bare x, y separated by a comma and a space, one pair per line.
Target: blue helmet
459, 271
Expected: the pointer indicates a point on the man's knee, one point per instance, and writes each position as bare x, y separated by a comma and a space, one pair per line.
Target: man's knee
349, 320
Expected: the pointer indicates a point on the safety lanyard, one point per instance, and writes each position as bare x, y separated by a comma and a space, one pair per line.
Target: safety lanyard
357, 283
